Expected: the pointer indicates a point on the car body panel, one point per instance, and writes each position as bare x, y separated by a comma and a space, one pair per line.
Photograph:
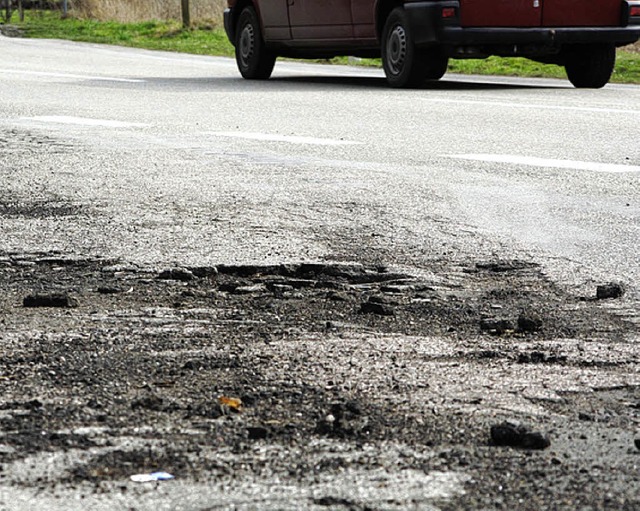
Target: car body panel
363, 15
501, 13
329, 19
274, 15
581, 13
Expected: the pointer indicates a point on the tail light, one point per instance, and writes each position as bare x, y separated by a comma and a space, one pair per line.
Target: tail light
448, 12
635, 10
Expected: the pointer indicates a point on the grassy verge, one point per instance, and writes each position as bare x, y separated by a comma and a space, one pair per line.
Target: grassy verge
205, 39
208, 39
627, 68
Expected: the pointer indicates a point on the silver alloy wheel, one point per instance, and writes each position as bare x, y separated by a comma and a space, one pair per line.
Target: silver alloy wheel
247, 43
397, 49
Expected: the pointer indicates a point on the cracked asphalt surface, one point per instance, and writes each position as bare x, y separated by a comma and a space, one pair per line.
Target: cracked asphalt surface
282, 324
341, 402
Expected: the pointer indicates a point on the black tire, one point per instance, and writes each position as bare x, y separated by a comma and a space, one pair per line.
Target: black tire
401, 61
589, 66
254, 61
436, 63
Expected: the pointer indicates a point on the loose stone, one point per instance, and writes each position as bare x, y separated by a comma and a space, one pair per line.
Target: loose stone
515, 434
529, 322
611, 290
257, 433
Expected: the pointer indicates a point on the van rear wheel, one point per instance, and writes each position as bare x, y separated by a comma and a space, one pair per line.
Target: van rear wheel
254, 61
436, 63
590, 66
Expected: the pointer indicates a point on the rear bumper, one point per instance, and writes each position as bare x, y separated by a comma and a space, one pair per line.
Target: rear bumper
547, 36
430, 28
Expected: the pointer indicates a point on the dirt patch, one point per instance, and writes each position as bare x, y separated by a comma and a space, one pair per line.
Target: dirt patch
633, 48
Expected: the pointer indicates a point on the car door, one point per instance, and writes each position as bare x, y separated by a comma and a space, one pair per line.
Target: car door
320, 19
275, 19
501, 13
363, 16
576, 13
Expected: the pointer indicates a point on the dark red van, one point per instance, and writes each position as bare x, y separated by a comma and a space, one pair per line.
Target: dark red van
416, 38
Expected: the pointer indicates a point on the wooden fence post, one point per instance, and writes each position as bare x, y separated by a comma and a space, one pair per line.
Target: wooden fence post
186, 16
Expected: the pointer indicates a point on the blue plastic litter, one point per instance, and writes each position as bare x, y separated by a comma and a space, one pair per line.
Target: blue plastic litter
154, 476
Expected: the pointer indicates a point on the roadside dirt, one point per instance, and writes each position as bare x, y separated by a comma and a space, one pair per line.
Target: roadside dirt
109, 369
635, 48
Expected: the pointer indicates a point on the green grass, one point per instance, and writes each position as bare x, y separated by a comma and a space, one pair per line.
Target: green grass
627, 68
507, 67
204, 39
210, 39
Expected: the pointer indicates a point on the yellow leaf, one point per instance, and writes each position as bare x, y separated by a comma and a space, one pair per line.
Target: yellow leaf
232, 402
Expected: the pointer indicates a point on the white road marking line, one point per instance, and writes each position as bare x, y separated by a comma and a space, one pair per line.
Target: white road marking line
291, 139
84, 121
533, 106
547, 162
69, 75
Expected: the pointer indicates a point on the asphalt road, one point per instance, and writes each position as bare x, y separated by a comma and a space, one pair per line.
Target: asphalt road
175, 158
160, 159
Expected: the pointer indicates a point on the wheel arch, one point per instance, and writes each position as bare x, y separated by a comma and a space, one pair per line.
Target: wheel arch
383, 9
238, 7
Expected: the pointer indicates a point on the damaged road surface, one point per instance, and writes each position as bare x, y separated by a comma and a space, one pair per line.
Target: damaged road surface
313, 293
281, 387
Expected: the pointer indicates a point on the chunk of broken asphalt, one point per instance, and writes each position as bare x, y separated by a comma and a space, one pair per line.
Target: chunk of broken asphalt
251, 289
497, 326
515, 434
150, 402
181, 274
257, 433
376, 305
610, 290
529, 322
49, 300
109, 290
